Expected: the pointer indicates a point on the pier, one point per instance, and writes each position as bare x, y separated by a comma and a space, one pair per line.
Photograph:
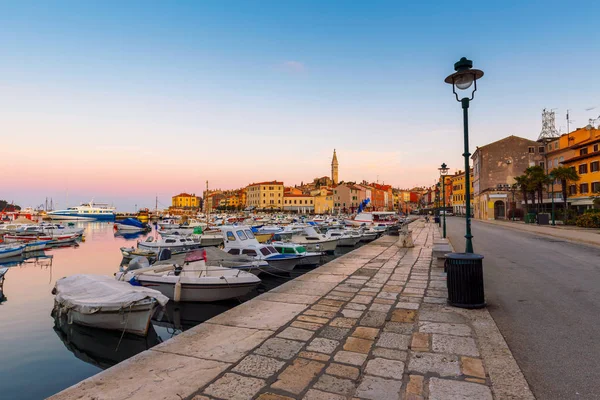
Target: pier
372, 324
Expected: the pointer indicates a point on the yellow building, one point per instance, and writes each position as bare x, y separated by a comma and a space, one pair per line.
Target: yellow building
183, 200
458, 192
323, 201
265, 195
580, 150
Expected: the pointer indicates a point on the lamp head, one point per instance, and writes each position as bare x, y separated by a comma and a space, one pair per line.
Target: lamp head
464, 76
444, 170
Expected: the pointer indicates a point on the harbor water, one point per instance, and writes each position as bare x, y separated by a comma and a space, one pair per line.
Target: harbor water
41, 355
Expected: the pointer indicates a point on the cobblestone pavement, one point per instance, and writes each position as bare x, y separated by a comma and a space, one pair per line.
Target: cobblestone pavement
384, 332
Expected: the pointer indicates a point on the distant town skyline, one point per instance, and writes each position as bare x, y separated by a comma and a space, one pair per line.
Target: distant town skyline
121, 103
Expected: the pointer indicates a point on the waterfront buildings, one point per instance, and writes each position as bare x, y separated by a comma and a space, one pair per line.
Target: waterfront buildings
303, 203
495, 167
323, 201
265, 195
458, 201
346, 197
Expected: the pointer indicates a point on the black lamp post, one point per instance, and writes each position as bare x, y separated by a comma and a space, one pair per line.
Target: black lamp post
513, 189
443, 172
437, 197
465, 77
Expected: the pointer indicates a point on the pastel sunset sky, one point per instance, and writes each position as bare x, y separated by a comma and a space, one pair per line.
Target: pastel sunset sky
121, 101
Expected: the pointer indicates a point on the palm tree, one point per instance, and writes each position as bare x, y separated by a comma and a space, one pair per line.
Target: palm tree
523, 182
564, 175
537, 179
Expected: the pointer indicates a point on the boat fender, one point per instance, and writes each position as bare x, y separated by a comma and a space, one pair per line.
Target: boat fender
177, 270
177, 293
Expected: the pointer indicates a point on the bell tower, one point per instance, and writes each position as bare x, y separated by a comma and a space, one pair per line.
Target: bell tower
334, 168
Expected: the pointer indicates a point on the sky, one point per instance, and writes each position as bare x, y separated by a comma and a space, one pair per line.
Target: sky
125, 101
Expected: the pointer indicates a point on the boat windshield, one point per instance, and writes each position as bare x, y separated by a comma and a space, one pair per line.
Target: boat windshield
241, 235
249, 233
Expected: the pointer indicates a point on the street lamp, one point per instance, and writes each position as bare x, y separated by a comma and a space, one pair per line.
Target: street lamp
465, 77
443, 172
437, 196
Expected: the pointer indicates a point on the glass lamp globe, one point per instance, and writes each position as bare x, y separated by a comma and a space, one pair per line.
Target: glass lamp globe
463, 81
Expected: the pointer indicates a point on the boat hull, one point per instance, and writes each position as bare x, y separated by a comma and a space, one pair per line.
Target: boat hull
11, 252
134, 319
283, 264
350, 241
199, 292
313, 259
81, 217
328, 246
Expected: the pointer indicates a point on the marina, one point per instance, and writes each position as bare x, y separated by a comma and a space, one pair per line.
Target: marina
61, 352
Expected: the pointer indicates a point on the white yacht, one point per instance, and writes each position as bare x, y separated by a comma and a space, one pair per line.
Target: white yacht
85, 212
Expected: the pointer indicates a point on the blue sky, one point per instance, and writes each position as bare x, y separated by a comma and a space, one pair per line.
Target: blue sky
121, 101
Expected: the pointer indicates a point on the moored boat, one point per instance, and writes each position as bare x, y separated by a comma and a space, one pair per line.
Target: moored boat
194, 280
11, 250
102, 302
85, 212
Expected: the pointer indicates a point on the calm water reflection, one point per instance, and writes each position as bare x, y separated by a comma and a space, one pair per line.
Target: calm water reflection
41, 355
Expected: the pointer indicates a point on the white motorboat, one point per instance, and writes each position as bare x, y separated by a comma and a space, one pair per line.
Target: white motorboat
194, 280
102, 302
344, 238
373, 218
239, 239
310, 258
368, 235
11, 250
177, 244
218, 258
314, 241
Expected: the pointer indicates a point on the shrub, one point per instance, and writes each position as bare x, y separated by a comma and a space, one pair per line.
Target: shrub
592, 211
588, 220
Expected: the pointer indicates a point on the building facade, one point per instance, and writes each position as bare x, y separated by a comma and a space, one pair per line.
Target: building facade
302, 203
580, 150
346, 197
495, 167
323, 201
265, 196
459, 203
185, 200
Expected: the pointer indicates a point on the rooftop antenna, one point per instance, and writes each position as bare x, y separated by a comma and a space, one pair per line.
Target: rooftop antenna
549, 131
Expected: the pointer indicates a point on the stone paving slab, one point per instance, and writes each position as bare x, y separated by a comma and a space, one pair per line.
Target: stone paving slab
372, 324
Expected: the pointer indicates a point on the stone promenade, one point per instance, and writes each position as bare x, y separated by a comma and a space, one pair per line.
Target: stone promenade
372, 324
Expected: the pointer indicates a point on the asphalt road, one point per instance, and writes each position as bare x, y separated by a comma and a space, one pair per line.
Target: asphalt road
544, 294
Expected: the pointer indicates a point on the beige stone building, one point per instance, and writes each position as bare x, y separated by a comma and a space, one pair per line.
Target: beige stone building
265, 195
495, 167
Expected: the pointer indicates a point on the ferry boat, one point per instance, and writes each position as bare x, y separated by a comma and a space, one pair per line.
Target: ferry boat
85, 212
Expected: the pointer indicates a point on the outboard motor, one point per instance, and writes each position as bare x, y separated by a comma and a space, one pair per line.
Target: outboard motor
164, 254
137, 263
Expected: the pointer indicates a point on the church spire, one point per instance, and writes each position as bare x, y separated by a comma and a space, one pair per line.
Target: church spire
334, 168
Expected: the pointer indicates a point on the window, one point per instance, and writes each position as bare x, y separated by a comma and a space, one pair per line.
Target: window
561, 159
294, 201
235, 252
583, 151
595, 148
249, 252
531, 149
583, 169
249, 233
595, 187
572, 189
541, 149
241, 235
595, 166
583, 188
542, 164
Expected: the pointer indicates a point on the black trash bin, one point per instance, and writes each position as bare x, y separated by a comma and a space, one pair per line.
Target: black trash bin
543, 219
465, 280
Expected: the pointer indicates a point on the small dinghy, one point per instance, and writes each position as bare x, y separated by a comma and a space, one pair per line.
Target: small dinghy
192, 281
131, 225
101, 302
11, 250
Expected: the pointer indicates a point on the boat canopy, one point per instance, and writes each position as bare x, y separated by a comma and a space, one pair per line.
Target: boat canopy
89, 294
132, 222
